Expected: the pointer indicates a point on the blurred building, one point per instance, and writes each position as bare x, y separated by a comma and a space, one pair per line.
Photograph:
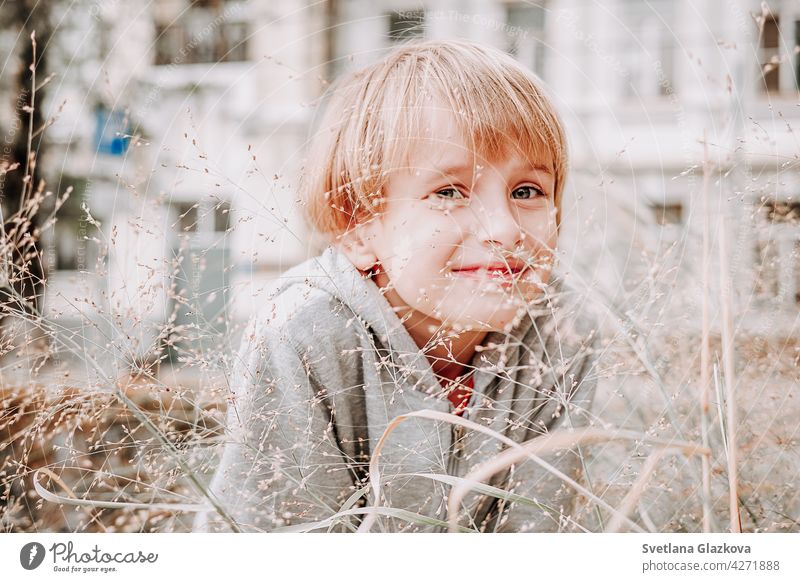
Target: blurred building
185, 124
182, 133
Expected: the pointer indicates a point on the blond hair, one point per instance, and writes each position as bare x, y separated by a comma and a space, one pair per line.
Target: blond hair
374, 112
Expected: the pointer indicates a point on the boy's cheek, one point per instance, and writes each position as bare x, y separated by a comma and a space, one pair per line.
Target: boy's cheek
543, 232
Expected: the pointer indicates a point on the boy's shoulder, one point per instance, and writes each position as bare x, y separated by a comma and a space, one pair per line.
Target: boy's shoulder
308, 305
301, 313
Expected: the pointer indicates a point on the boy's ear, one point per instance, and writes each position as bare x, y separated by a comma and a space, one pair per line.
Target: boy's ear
357, 245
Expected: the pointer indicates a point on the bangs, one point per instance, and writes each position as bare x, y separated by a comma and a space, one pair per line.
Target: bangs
492, 133
499, 132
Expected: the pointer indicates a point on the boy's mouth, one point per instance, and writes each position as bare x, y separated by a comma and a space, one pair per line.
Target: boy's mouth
504, 273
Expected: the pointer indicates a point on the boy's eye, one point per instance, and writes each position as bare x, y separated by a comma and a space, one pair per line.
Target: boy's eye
527, 193
450, 194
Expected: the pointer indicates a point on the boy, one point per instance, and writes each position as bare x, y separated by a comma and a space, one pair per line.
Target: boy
437, 177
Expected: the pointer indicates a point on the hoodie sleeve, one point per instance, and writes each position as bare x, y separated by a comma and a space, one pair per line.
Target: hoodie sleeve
281, 464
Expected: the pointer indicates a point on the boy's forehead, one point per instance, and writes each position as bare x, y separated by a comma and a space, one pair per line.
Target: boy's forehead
451, 155
437, 127
442, 143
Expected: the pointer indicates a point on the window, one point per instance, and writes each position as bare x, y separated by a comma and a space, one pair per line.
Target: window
770, 53
222, 214
525, 34
169, 42
111, 131
782, 212
796, 263
767, 272
201, 281
406, 24
778, 252
211, 31
234, 42
67, 237
648, 47
204, 217
187, 217
670, 214
797, 54
668, 217
779, 57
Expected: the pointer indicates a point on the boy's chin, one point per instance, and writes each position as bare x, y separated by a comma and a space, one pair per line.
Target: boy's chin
503, 321
489, 314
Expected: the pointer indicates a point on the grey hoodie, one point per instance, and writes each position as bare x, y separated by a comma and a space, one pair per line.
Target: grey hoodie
325, 367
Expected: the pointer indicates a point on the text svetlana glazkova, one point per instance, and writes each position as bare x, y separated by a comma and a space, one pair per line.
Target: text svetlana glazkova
703, 548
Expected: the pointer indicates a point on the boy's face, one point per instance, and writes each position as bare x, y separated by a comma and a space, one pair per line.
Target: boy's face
461, 240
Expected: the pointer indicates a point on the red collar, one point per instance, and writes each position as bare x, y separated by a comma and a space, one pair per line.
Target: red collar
459, 394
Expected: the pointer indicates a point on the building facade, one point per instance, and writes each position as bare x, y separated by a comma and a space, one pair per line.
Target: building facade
186, 124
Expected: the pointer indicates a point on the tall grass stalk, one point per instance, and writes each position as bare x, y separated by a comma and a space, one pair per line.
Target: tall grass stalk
633, 496
98, 504
728, 365
564, 439
705, 342
547, 444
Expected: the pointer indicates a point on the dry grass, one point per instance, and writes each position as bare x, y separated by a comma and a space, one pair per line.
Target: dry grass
93, 448
767, 407
87, 445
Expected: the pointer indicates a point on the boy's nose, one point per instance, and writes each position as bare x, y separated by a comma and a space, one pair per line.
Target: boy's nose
500, 228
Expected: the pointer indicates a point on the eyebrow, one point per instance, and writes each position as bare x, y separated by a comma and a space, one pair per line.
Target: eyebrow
456, 169
541, 168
